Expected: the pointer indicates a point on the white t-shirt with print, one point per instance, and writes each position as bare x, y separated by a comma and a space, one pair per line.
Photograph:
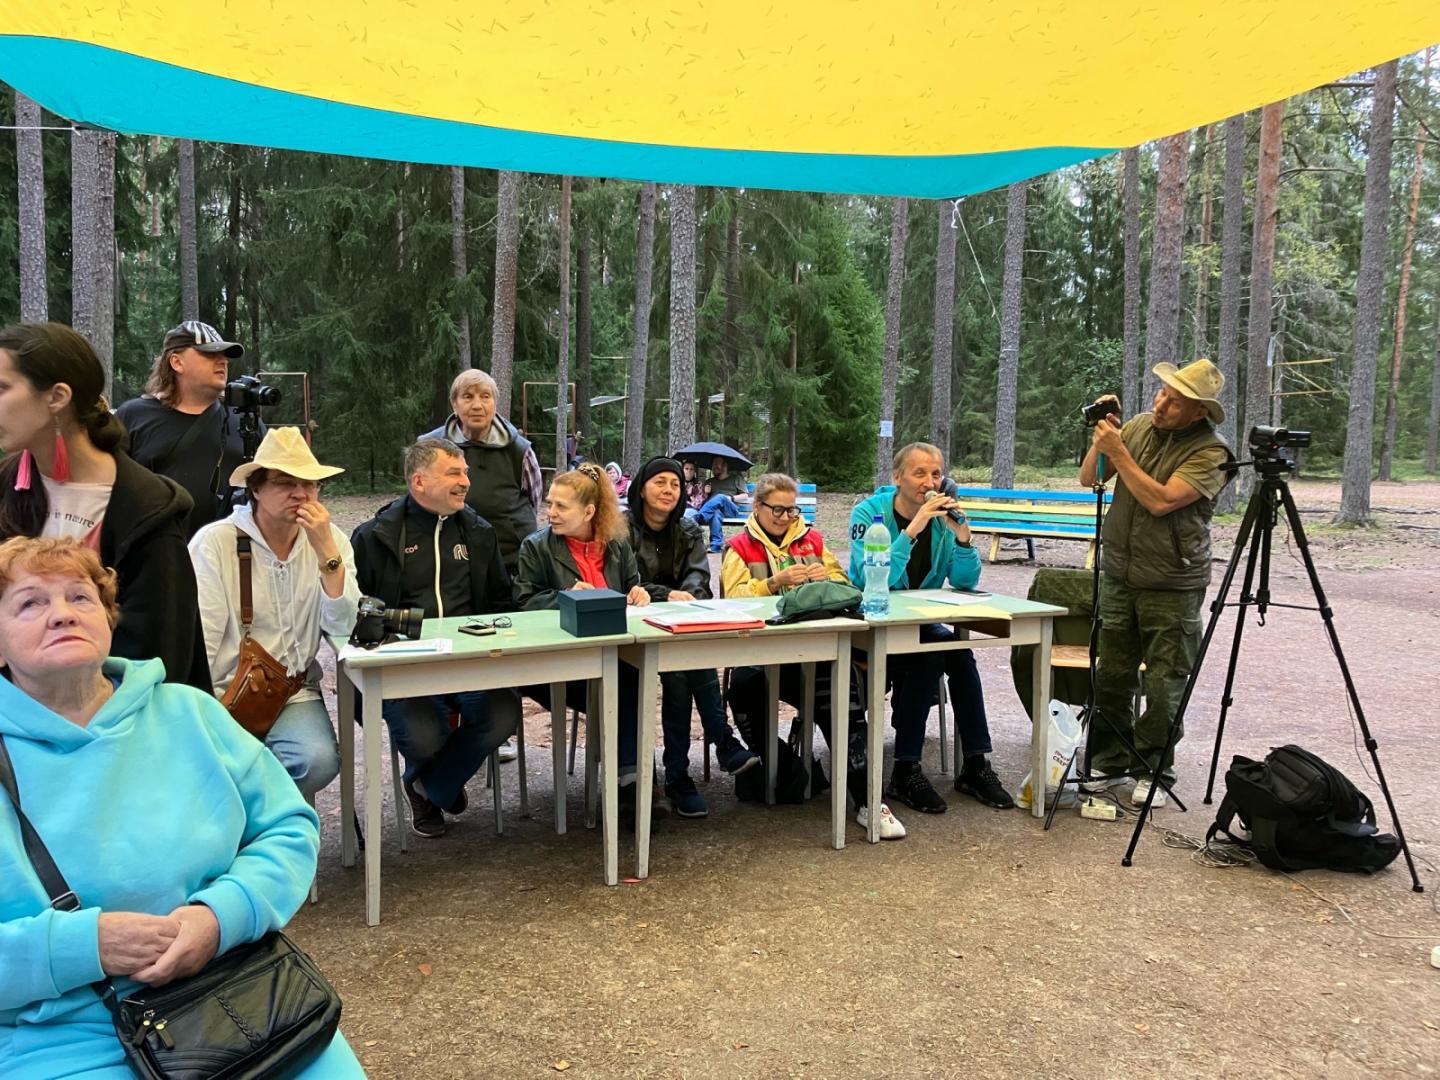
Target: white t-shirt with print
76, 510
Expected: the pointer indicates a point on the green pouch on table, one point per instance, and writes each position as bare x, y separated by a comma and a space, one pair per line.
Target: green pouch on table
817, 600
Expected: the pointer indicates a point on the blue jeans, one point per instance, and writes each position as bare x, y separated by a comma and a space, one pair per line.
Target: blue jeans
914, 678
304, 742
678, 689
441, 759
716, 509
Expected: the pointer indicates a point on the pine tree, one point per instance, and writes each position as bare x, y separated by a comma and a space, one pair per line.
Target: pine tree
1231, 260
29, 153
464, 360
682, 316
189, 254
1002, 472
1162, 321
944, 325
890, 371
507, 252
635, 388
1130, 395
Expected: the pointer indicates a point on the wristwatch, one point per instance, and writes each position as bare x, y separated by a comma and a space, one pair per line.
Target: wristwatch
329, 566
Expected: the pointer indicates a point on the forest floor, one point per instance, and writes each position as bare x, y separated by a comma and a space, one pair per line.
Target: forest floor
980, 945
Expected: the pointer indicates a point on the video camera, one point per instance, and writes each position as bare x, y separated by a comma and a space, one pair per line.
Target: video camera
1266, 441
374, 622
1098, 410
248, 392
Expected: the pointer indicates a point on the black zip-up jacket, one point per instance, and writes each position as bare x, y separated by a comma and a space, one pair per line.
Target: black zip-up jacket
546, 569
378, 558
689, 563
143, 538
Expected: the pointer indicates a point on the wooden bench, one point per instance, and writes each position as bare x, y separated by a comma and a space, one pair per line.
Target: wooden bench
805, 499
1012, 513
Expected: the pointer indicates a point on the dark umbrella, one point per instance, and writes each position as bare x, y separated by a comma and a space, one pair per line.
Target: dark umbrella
701, 454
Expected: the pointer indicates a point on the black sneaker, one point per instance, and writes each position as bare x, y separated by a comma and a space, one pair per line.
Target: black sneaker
683, 797
909, 786
460, 805
980, 782
658, 810
426, 819
737, 760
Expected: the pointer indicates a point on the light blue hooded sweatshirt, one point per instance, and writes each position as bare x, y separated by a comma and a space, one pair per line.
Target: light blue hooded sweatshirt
948, 560
161, 800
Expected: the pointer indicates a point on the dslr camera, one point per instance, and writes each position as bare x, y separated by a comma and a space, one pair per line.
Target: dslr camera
248, 392
374, 622
1097, 411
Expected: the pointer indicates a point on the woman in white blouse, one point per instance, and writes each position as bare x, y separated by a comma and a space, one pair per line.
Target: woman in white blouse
302, 584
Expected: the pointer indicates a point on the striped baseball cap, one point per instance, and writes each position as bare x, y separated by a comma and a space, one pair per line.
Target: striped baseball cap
193, 334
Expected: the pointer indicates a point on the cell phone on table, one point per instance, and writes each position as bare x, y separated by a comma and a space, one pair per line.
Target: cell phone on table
476, 629
971, 592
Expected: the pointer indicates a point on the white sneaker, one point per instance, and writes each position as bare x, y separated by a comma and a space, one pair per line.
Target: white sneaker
1093, 786
1142, 792
890, 827
507, 752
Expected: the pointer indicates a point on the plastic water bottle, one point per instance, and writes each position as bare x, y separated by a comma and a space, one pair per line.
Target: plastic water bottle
877, 569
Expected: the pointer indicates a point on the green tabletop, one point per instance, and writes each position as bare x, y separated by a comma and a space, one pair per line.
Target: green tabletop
532, 631
759, 607
918, 606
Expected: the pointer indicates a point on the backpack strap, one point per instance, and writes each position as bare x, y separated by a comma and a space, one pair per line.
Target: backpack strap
62, 898
1224, 817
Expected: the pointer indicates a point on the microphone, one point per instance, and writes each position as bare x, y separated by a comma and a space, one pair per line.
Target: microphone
948, 488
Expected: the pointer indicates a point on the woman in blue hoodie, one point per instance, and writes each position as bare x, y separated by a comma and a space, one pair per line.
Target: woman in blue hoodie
197, 841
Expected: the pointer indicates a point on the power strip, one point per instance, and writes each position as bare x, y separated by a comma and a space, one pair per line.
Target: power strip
1098, 810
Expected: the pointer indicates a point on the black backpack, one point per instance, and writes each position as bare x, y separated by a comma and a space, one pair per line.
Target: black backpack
1303, 814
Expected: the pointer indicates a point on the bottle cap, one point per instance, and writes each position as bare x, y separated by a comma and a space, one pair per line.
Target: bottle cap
878, 519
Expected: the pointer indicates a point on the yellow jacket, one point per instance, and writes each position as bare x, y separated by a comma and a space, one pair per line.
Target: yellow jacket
751, 558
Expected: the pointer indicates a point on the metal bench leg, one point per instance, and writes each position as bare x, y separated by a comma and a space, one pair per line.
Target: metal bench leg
592, 758
492, 777
400, 800
520, 761
314, 881
944, 752
574, 737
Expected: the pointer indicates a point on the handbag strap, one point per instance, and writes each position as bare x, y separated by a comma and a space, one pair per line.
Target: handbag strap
62, 897
247, 595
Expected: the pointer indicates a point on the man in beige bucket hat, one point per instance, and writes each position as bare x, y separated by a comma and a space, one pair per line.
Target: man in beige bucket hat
1155, 565
302, 583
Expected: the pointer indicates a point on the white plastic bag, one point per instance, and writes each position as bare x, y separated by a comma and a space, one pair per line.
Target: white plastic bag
1062, 738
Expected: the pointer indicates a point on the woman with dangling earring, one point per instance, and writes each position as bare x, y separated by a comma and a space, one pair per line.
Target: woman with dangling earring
66, 476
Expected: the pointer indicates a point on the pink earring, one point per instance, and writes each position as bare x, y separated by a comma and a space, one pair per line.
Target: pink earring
22, 474
60, 471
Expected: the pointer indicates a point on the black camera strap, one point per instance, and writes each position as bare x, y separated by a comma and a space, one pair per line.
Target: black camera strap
192, 434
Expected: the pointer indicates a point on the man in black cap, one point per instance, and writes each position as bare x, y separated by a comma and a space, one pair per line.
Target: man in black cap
181, 428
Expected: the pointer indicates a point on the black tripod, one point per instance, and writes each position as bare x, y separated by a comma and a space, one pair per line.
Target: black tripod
1257, 527
1070, 776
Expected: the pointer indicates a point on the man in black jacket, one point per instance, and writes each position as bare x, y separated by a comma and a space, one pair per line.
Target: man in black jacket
429, 550
670, 550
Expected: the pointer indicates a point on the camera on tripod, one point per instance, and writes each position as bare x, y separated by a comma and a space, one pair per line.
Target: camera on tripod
374, 622
248, 392
1097, 411
1268, 441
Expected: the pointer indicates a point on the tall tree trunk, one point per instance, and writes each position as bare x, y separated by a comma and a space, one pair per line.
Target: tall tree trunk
1432, 428
1397, 356
1369, 294
507, 254
29, 154
1130, 197
232, 253
584, 388
459, 266
84, 227
102, 334
682, 315
635, 387
944, 352
1232, 236
1002, 471
189, 236
890, 373
730, 335
1262, 277
792, 444
1200, 334
402, 231
562, 368
1162, 320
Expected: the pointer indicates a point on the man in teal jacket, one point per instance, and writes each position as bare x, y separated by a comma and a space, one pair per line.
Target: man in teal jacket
927, 549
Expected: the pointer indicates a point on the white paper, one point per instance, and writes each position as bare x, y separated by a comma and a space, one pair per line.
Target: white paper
681, 617
945, 596
730, 607
887, 429
425, 646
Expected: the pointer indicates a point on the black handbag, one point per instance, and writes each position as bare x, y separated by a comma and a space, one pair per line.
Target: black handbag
262, 1010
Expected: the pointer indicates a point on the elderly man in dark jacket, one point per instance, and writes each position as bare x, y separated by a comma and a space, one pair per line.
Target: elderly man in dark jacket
429, 550
670, 550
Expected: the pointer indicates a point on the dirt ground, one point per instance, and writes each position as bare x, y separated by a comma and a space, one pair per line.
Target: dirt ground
980, 946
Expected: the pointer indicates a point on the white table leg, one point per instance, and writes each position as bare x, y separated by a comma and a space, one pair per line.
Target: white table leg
807, 729
645, 758
772, 730
345, 721
875, 744
557, 750
839, 740
1040, 717
610, 760
373, 690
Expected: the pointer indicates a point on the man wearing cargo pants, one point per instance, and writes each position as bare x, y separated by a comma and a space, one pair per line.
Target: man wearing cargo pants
1155, 565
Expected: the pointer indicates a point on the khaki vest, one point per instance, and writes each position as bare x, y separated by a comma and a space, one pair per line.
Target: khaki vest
1170, 552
